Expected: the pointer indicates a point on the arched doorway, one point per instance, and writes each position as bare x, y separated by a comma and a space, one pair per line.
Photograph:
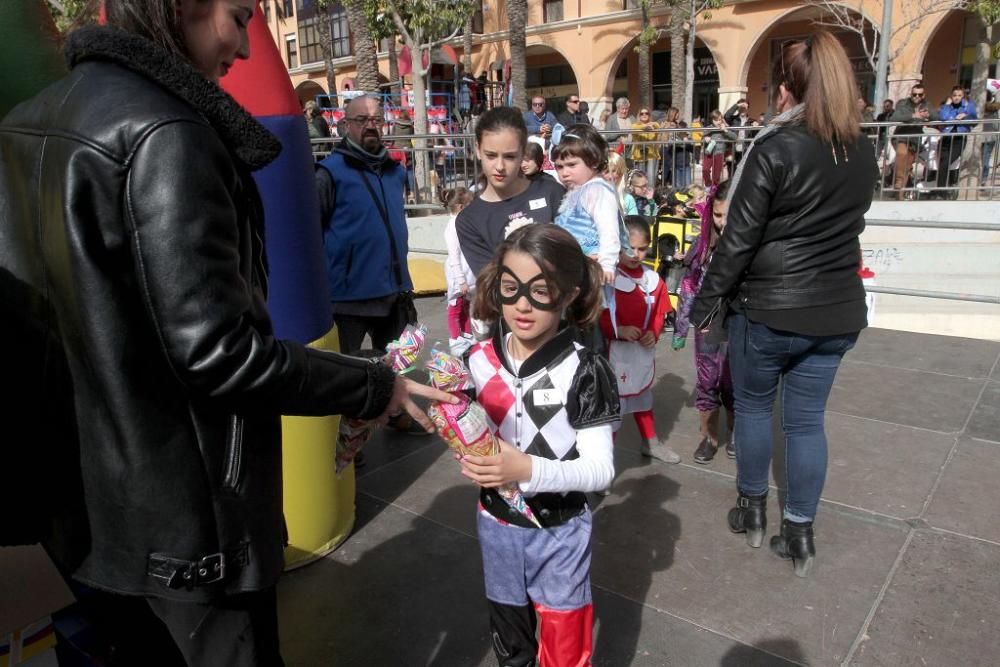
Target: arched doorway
943, 65
549, 75
308, 90
799, 24
706, 76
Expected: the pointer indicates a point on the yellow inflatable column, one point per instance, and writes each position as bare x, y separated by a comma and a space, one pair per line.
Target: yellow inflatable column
319, 506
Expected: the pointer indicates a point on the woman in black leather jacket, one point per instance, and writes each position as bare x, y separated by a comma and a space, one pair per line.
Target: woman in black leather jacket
133, 247
785, 278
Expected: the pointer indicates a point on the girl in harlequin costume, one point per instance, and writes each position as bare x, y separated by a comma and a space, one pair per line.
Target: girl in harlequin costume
714, 388
552, 403
632, 323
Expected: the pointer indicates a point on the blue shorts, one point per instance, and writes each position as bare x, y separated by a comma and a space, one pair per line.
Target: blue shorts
548, 566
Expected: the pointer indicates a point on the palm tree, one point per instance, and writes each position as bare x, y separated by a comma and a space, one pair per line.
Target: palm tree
467, 45
517, 20
647, 37
678, 66
325, 43
363, 46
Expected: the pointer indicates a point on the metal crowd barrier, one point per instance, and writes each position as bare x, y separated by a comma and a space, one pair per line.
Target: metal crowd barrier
909, 157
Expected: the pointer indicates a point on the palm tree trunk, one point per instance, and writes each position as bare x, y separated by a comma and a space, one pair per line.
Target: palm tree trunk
645, 42
363, 46
678, 84
467, 45
325, 46
689, 66
517, 18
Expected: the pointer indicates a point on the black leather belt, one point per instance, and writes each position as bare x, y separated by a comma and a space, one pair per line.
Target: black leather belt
179, 573
551, 509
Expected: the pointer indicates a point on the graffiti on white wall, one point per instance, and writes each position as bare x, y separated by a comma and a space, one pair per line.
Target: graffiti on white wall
881, 259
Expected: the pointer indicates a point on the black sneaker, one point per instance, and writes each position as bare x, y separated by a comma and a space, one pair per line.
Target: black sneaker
705, 452
731, 448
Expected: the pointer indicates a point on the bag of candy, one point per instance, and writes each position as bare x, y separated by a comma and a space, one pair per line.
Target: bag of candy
401, 355
464, 426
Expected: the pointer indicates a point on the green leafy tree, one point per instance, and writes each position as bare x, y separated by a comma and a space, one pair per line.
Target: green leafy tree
424, 25
694, 9
68, 13
682, 31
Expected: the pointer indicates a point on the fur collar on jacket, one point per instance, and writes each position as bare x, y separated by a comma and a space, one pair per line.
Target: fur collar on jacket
247, 139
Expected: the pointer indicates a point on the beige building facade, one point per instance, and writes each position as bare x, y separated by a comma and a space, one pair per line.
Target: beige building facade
587, 47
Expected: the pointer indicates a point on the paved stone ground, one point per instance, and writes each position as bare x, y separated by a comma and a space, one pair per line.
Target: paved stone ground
908, 537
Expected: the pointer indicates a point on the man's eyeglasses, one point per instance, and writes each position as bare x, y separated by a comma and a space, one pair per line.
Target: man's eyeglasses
367, 120
538, 104
916, 94
573, 101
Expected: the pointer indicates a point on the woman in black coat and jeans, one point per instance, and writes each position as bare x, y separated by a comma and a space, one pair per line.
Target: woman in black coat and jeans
784, 276
133, 252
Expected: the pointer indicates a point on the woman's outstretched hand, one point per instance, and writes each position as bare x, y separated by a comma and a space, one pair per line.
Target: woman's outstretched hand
402, 401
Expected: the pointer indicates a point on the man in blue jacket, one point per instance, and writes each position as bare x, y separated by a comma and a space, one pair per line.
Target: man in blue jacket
538, 120
361, 192
953, 139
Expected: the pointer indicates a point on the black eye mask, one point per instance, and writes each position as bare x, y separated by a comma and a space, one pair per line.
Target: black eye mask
523, 289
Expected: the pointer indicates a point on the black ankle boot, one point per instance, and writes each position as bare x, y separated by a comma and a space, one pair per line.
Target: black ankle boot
750, 517
796, 544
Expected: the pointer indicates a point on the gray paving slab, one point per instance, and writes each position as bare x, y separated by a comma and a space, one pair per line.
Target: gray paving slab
661, 539
985, 421
968, 495
416, 483
900, 396
941, 607
388, 446
964, 357
882, 467
627, 633
672, 585
402, 591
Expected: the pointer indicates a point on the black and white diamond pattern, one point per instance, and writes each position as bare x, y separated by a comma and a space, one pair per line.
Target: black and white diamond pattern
537, 421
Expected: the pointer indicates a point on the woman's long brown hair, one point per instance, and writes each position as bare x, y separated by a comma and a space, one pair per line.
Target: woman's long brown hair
817, 72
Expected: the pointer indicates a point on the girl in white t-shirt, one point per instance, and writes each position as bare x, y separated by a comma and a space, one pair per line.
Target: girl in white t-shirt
458, 275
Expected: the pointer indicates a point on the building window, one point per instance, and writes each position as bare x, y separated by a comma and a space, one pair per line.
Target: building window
267, 11
552, 10
630, 4
288, 8
477, 20
549, 76
291, 51
340, 34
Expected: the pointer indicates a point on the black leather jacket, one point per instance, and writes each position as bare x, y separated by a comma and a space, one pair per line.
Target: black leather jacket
791, 237
132, 233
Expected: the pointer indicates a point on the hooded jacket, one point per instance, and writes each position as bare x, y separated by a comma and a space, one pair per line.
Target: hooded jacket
132, 232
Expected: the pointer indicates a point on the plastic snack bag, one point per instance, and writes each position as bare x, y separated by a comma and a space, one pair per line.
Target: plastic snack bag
401, 355
464, 426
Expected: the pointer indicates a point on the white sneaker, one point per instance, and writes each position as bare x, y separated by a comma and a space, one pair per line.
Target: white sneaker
659, 450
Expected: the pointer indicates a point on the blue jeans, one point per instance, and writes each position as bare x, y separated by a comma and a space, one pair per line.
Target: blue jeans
759, 358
